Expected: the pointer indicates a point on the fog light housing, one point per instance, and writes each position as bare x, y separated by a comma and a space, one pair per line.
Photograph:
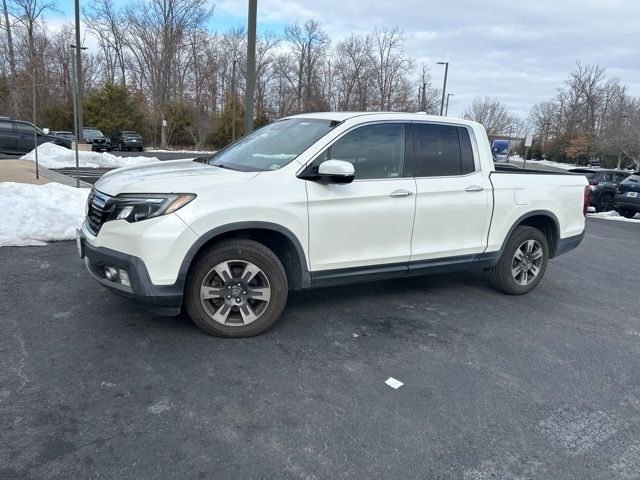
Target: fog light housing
111, 273
124, 277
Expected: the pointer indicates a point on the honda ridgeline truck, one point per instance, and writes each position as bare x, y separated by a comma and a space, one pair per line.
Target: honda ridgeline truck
324, 199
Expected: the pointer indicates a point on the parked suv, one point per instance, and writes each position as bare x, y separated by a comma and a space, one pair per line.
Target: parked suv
17, 137
603, 184
627, 200
96, 139
127, 140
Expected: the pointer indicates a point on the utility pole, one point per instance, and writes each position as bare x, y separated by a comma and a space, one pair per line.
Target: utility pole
73, 65
35, 129
446, 108
444, 86
251, 66
79, 69
233, 101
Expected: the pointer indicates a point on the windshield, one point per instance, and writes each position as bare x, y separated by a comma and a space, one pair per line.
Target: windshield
92, 132
273, 146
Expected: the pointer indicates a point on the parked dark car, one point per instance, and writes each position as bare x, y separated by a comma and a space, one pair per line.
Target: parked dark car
603, 184
127, 140
17, 137
627, 199
96, 139
63, 134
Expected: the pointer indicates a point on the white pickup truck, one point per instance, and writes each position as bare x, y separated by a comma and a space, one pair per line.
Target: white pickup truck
324, 199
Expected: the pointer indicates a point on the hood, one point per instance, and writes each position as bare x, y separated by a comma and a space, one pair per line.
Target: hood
184, 176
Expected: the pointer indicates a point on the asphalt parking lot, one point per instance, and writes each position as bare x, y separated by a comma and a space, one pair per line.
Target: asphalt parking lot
541, 386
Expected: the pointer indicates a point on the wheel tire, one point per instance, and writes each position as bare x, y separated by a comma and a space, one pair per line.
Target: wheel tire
605, 204
235, 250
140, 149
121, 147
626, 213
501, 276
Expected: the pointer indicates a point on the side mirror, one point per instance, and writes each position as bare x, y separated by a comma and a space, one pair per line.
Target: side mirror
336, 171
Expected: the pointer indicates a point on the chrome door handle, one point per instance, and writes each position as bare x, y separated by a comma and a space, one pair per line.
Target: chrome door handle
474, 188
400, 193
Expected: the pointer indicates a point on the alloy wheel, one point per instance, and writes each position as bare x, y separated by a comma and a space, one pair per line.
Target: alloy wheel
526, 262
235, 293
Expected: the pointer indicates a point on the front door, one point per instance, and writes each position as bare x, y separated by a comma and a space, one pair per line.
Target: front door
368, 222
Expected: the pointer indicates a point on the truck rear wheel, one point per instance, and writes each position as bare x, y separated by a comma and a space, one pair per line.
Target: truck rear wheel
523, 262
236, 289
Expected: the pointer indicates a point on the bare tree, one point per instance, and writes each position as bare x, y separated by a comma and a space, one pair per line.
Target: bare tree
108, 26
390, 66
308, 43
491, 113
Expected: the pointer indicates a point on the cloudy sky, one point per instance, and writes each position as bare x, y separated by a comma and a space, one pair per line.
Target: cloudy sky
517, 51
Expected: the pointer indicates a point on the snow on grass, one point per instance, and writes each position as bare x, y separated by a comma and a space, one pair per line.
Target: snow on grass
35, 214
51, 155
613, 215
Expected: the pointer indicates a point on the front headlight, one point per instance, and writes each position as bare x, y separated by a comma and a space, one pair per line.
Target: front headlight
134, 207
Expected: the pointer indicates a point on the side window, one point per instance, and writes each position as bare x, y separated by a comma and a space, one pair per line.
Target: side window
376, 151
608, 177
24, 128
442, 150
620, 177
5, 127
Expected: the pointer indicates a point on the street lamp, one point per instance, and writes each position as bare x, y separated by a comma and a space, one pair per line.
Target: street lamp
444, 86
73, 68
251, 67
446, 108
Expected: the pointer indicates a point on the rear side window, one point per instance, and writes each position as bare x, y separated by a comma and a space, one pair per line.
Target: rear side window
619, 177
607, 177
442, 150
24, 128
5, 127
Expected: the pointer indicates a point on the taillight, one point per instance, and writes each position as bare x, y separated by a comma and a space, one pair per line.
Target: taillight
585, 205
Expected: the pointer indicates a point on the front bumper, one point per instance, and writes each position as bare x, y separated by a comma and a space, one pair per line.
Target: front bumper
161, 299
101, 146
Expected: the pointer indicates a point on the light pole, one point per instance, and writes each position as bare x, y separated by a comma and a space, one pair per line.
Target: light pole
446, 108
251, 67
78, 65
444, 86
73, 69
233, 101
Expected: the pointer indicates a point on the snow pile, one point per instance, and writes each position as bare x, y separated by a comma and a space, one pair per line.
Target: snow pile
613, 215
548, 163
51, 155
34, 214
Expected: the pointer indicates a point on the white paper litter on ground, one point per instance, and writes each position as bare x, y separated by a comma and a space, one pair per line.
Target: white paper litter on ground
51, 155
613, 215
393, 383
35, 214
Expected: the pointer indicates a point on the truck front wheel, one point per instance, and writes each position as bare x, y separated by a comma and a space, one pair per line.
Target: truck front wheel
238, 288
523, 262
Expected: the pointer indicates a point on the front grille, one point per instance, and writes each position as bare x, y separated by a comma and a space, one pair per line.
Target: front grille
98, 210
99, 140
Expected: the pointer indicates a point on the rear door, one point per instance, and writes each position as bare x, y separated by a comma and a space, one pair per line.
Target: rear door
367, 222
8, 139
25, 133
453, 204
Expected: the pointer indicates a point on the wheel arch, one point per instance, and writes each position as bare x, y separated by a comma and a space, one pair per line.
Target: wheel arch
284, 244
543, 220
